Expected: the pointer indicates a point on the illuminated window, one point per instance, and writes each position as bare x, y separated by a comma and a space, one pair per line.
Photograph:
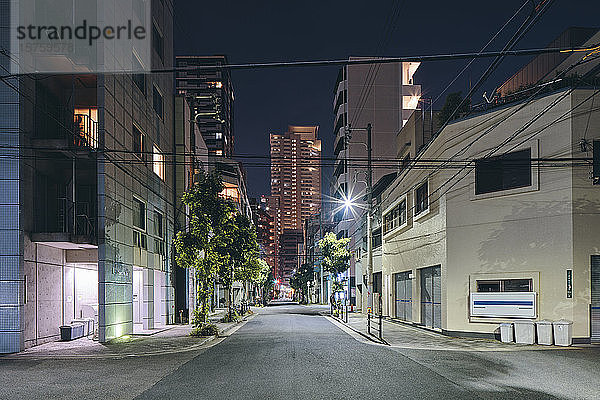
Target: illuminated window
158, 163
157, 101
410, 102
219, 152
86, 127
139, 143
218, 135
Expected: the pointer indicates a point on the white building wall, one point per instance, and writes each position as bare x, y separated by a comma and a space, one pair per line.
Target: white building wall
537, 232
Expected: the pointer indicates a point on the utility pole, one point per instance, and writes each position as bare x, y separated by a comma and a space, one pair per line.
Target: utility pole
369, 182
369, 216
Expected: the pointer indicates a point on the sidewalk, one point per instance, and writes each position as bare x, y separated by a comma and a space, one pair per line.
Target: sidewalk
401, 335
165, 340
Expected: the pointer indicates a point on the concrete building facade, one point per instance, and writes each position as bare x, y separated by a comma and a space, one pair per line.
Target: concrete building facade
508, 236
86, 208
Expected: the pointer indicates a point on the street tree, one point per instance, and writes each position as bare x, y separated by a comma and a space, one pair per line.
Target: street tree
195, 246
299, 281
236, 251
335, 257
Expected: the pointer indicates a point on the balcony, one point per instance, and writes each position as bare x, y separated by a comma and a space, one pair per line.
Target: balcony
72, 227
75, 133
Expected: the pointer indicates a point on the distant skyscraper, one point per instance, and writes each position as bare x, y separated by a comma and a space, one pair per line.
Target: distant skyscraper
295, 188
210, 94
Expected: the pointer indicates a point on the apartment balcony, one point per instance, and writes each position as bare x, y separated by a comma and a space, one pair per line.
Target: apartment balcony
72, 227
70, 132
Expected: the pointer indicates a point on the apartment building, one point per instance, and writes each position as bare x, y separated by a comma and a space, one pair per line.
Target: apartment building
210, 93
86, 199
385, 96
295, 190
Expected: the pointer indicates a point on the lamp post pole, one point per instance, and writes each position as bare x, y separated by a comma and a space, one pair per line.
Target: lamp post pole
369, 147
369, 216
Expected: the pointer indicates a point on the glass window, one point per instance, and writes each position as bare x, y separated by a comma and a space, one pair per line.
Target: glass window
421, 198
508, 171
157, 42
158, 224
505, 285
138, 143
139, 214
139, 79
395, 217
158, 162
157, 101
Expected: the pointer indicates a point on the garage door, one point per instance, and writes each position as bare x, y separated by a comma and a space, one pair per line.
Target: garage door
595, 299
431, 297
403, 296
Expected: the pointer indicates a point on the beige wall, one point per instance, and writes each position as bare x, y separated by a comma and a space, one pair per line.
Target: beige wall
537, 232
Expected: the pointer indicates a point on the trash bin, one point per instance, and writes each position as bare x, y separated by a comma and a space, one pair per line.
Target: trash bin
506, 332
544, 332
563, 332
525, 332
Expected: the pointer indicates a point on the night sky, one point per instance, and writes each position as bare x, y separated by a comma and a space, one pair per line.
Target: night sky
261, 31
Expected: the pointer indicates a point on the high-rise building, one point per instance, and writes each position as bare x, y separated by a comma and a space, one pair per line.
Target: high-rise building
385, 96
210, 94
295, 189
265, 230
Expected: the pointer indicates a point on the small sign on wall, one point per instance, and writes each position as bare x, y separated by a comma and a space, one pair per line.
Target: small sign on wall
569, 284
504, 304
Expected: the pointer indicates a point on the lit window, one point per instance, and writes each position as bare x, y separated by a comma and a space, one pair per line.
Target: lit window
158, 163
218, 135
410, 102
219, 152
86, 127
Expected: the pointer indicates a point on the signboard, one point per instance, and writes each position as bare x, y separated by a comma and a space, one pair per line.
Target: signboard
569, 284
504, 304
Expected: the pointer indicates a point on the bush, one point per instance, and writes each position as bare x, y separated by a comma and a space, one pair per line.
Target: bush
205, 330
234, 317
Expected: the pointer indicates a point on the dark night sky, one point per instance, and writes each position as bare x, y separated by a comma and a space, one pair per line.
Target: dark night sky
259, 31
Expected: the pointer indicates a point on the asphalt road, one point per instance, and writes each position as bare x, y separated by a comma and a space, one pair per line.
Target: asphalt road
291, 352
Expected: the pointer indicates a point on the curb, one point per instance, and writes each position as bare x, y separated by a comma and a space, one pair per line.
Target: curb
372, 338
197, 346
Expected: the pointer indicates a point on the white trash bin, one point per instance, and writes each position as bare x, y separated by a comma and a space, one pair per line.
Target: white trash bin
525, 332
563, 332
544, 332
506, 332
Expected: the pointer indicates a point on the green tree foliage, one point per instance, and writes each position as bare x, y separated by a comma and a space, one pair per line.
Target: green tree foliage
335, 253
453, 100
195, 247
299, 281
335, 257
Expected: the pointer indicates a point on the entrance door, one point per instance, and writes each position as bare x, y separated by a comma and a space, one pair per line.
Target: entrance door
595, 299
403, 296
138, 301
431, 296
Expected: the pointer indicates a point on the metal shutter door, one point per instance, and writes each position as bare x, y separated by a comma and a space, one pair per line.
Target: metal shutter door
437, 296
595, 299
426, 298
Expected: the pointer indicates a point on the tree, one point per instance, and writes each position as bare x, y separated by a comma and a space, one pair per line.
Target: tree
453, 101
236, 250
335, 257
195, 247
299, 281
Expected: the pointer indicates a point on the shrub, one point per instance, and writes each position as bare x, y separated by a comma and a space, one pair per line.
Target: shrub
205, 330
234, 317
